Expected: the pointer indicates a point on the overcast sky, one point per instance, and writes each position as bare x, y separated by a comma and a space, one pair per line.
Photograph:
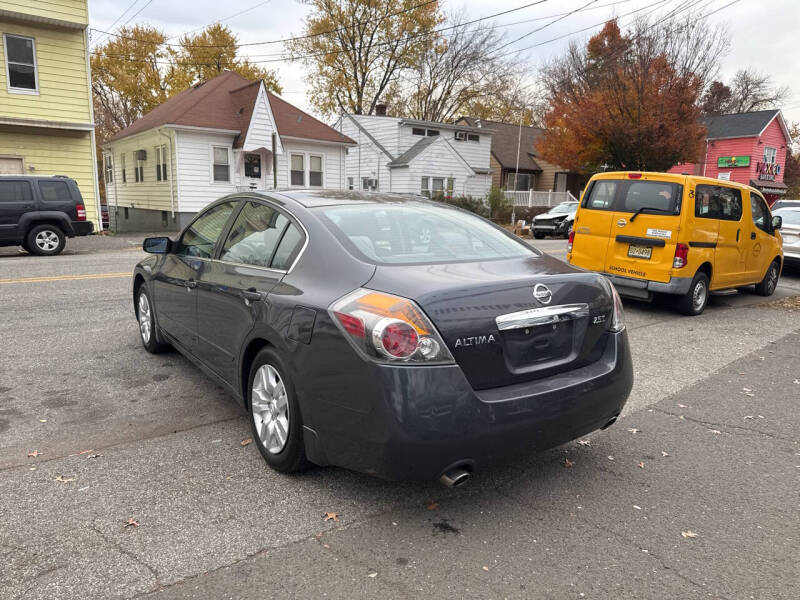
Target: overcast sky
763, 34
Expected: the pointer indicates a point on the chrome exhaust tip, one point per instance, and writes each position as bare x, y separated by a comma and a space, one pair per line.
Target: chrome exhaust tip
455, 477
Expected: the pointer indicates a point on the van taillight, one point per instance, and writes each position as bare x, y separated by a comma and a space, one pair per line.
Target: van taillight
634, 175
81, 212
681, 256
570, 240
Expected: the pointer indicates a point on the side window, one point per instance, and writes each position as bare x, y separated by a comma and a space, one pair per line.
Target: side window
718, 202
254, 235
601, 196
15, 191
760, 213
202, 235
54, 191
287, 250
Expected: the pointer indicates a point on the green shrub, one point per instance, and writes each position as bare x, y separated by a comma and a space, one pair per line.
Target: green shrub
499, 206
469, 203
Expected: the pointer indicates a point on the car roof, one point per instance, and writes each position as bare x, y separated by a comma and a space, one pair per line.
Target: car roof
314, 198
672, 178
12, 176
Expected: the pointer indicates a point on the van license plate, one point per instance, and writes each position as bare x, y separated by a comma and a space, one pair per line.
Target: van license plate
640, 251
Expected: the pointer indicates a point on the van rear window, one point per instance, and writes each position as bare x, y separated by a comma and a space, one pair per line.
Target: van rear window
629, 196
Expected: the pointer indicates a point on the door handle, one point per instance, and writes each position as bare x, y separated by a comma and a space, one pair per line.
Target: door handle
190, 285
752, 235
251, 295
737, 234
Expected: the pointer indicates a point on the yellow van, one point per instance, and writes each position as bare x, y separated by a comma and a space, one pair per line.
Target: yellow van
676, 234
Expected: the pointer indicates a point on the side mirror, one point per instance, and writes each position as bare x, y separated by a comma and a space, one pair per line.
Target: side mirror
156, 245
777, 222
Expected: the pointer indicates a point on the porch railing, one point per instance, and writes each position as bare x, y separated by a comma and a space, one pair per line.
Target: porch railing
533, 198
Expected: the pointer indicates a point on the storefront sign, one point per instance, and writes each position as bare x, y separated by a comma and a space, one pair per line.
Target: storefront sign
767, 171
733, 161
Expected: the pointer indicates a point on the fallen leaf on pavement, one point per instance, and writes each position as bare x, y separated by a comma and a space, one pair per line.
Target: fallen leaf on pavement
96, 455
715, 431
797, 381
750, 394
63, 479
372, 575
746, 390
748, 417
610, 458
331, 516
485, 568
637, 507
85, 451
130, 523
433, 506
246, 442
689, 534
42, 420
664, 453
633, 430
641, 465
682, 406
568, 463
584, 442
33, 454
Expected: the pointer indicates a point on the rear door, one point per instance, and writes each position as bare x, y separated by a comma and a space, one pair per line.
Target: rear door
642, 242
762, 244
16, 198
593, 223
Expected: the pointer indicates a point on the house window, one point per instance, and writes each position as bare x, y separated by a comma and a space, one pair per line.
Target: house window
425, 189
315, 171
349, 183
437, 187
139, 169
451, 184
109, 171
474, 137
298, 171
417, 131
770, 154
122, 160
432, 132
21, 72
368, 184
161, 163
222, 167
252, 166
520, 182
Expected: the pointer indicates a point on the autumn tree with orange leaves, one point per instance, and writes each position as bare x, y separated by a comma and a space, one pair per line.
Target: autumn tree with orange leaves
631, 101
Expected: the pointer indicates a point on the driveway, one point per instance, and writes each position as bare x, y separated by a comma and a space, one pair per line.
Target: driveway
140, 484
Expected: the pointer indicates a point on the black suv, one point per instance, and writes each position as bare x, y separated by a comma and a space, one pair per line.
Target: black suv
40, 213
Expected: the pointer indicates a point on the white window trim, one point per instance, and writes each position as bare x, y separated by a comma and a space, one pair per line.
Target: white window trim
305, 169
229, 148
161, 159
123, 170
322, 167
14, 90
108, 161
774, 154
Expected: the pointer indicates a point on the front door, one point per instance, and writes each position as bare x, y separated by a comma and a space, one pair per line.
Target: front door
254, 170
233, 289
762, 241
722, 206
16, 198
175, 283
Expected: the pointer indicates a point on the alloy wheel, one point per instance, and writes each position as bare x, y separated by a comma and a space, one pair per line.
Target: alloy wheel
46, 240
270, 409
145, 324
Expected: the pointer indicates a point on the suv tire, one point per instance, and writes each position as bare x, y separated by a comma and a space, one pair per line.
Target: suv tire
694, 301
766, 287
275, 405
45, 240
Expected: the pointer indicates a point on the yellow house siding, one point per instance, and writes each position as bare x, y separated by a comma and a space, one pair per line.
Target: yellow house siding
62, 74
75, 11
55, 152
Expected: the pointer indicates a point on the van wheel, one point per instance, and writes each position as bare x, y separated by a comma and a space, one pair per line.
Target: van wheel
695, 300
767, 285
45, 240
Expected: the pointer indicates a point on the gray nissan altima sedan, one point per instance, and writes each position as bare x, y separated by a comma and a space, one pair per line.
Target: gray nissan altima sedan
353, 341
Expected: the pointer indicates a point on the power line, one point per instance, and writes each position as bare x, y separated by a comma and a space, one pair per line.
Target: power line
118, 19
546, 25
218, 21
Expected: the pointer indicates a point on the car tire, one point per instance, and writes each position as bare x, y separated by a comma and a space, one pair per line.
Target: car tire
45, 240
275, 419
766, 287
538, 236
146, 319
694, 301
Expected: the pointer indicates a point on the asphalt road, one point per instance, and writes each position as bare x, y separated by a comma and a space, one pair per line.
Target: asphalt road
707, 447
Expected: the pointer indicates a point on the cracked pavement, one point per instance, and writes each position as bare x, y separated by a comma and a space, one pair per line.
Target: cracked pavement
708, 444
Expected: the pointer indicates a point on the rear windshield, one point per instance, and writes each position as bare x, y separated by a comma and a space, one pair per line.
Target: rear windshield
624, 195
419, 234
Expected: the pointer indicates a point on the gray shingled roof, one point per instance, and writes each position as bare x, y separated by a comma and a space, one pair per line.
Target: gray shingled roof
739, 125
406, 157
505, 139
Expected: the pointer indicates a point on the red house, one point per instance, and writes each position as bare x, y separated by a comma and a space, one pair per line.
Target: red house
748, 148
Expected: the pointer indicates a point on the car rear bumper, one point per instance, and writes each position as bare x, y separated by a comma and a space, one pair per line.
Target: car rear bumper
82, 227
643, 289
430, 420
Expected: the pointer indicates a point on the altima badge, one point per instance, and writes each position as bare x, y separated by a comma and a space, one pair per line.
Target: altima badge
542, 293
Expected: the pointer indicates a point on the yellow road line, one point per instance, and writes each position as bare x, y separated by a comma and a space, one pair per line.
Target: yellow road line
66, 277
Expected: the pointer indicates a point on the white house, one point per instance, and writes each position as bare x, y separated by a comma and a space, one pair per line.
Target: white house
409, 156
225, 135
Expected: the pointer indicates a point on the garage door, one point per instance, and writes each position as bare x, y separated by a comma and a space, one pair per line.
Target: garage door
10, 165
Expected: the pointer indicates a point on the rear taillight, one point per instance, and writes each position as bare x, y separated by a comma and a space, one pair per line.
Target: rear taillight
388, 328
681, 256
617, 321
81, 212
570, 240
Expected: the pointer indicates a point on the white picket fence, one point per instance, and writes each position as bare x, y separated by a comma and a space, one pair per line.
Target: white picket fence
533, 198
